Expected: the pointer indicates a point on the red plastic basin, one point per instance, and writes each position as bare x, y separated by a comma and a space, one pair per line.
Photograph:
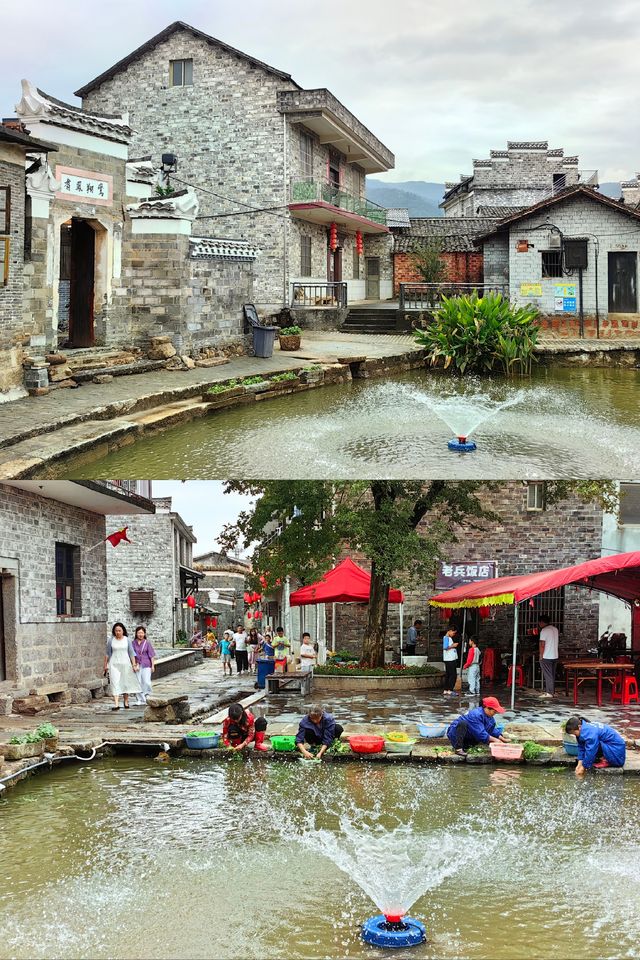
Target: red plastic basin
363, 743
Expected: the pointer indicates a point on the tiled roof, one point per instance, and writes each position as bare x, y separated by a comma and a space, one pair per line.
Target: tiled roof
454, 234
220, 562
398, 217
212, 248
497, 211
578, 190
10, 135
458, 188
36, 105
527, 144
164, 35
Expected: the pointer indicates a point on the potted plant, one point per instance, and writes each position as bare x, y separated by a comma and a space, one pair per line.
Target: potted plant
24, 747
48, 733
289, 338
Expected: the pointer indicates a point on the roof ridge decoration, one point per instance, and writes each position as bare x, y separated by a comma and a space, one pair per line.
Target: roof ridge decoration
179, 206
215, 248
35, 105
527, 144
158, 38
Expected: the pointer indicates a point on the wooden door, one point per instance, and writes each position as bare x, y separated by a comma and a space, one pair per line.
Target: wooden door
334, 265
623, 296
82, 268
372, 291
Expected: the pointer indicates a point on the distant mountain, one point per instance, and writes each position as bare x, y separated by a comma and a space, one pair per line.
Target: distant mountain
420, 197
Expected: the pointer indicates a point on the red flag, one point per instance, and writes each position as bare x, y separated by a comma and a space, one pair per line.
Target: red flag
117, 537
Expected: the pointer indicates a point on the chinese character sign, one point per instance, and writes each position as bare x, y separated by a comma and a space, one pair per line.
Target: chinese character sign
452, 575
84, 185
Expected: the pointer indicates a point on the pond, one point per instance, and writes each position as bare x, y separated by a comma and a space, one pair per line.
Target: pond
561, 422
245, 859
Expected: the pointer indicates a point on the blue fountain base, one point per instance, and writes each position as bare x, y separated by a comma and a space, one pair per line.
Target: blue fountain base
462, 446
379, 933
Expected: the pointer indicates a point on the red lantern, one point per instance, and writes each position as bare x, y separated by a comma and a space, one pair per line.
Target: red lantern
258, 615
191, 602
247, 598
263, 582
249, 615
333, 236
214, 621
359, 244
484, 613
446, 613
278, 582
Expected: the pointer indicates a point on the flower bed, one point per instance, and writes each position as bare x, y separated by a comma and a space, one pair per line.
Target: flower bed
352, 676
353, 668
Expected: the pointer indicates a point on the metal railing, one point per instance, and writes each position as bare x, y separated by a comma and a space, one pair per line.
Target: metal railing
319, 295
308, 190
428, 296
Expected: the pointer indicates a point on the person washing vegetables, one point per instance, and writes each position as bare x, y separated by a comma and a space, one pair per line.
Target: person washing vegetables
476, 726
317, 729
598, 745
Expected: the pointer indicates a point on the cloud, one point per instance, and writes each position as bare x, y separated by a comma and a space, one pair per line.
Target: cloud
438, 82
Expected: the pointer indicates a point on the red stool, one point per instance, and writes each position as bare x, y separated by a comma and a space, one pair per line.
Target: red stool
625, 690
519, 676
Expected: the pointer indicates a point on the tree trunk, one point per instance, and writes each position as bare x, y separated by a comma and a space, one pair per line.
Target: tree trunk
373, 643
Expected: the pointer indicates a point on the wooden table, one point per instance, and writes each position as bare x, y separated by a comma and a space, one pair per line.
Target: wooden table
589, 670
288, 682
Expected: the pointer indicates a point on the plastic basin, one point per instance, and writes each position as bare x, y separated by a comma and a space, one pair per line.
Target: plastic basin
506, 751
364, 743
399, 746
283, 744
570, 747
203, 741
432, 729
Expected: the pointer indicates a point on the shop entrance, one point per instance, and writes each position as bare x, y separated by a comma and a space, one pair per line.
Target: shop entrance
77, 283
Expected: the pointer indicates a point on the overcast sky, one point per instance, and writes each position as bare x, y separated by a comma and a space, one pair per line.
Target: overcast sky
202, 505
438, 82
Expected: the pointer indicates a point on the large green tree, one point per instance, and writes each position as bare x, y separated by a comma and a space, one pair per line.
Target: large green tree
380, 519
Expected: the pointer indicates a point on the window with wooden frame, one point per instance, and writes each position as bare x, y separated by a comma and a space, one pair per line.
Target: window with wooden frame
535, 495
552, 263
181, 72
5, 231
305, 256
67, 580
306, 154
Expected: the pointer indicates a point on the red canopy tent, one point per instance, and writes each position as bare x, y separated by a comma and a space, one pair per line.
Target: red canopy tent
345, 583
617, 575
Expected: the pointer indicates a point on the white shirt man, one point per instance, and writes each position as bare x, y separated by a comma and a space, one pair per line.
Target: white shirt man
307, 654
549, 637
240, 638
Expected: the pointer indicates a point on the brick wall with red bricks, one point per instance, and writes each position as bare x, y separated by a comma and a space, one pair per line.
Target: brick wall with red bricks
461, 268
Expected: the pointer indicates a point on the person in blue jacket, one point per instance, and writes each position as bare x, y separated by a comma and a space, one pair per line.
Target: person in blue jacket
476, 726
598, 745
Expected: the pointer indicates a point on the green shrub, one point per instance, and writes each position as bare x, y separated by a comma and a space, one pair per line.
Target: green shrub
251, 381
291, 331
283, 377
353, 670
222, 387
481, 334
46, 731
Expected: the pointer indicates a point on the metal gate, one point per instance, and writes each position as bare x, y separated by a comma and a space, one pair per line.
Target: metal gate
623, 296
372, 291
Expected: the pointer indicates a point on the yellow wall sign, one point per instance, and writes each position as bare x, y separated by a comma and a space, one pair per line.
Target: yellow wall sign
530, 289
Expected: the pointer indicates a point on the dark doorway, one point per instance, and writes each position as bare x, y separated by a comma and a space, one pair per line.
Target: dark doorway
334, 265
372, 289
81, 283
3, 662
623, 295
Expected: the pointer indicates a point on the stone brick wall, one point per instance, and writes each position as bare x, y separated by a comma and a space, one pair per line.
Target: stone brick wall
147, 563
496, 260
40, 645
11, 329
575, 217
225, 582
521, 542
461, 268
226, 132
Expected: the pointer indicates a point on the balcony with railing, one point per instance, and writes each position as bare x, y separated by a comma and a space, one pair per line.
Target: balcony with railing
323, 202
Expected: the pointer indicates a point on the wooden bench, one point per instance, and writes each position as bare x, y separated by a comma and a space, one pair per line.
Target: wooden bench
290, 682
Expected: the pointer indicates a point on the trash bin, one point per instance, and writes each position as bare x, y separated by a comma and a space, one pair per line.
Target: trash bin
265, 667
263, 340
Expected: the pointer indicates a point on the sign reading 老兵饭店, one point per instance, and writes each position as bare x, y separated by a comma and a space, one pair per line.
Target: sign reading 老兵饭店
94, 188
452, 575
530, 289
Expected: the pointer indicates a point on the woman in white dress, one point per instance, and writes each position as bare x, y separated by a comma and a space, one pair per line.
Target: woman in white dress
120, 662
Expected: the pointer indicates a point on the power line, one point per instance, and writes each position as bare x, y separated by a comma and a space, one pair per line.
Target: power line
236, 213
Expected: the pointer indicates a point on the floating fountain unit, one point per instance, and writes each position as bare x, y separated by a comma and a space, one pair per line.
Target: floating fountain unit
461, 445
393, 930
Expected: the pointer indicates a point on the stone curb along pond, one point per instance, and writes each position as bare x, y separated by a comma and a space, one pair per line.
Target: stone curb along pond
436, 751
92, 435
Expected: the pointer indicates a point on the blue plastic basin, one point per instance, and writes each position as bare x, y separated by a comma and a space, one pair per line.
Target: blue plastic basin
202, 743
432, 729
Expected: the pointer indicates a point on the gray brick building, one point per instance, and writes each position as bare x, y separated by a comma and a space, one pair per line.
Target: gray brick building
150, 578
523, 174
249, 138
53, 581
535, 251
221, 590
